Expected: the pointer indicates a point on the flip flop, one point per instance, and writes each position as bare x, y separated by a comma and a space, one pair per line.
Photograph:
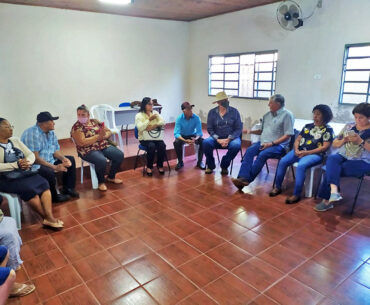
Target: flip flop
55, 225
22, 290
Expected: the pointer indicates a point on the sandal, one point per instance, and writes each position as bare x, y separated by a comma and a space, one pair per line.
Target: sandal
55, 225
114, 180
102, 187
21, 290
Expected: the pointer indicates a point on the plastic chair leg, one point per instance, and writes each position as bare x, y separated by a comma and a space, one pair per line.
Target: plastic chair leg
357, 192
14, 203
94, 177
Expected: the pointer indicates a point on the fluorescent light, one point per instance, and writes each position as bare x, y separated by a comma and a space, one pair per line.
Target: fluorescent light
118, 2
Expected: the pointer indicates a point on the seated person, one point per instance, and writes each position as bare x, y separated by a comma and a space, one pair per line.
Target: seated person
352, 160
309, 149
91, 138
8, 286
148, 121
17, 177
188, 129
42, 141
224, 127
277, 128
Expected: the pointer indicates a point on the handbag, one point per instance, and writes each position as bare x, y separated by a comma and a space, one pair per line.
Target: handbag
156, 134
16, 173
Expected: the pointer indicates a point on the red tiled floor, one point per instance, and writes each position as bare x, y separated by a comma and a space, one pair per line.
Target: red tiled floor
148, 267
178, 253
192, 239
228, 255
170, 288
112, 285
229, 290
201, 270
258, 273
291, 292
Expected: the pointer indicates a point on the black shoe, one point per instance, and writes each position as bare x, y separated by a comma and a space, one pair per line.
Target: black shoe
224, 171
149, 174
179, 166
292, 199
71, 192
201, 165
275, 192
61, 198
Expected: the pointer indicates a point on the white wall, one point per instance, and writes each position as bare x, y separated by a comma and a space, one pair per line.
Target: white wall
316, 48
55, 60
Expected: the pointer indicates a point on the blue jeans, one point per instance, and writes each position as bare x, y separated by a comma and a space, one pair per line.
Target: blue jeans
303, 164
337, 166
210, 144
99, 159
251, 168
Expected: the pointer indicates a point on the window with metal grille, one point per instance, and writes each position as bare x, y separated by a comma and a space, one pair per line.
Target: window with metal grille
355, 87
245, 75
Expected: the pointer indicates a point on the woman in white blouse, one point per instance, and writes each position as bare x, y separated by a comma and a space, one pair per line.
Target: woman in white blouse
150, 133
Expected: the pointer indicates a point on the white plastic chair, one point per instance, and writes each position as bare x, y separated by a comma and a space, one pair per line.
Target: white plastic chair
105, 113
308, 182
15, 207
94, 177
196, 150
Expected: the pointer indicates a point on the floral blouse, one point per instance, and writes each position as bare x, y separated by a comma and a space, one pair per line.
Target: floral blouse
353, 151
314, 136
89, 131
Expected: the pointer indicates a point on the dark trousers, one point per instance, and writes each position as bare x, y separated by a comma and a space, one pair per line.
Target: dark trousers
178, 144
69, 177
99, 159
151, 148
336, 167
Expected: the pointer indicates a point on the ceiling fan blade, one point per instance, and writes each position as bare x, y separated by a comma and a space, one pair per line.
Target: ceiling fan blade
283, 9
293, 10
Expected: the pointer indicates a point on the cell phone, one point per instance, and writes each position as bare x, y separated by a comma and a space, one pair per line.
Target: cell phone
351, 133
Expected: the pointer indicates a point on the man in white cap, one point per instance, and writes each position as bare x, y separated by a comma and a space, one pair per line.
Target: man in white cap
224, 127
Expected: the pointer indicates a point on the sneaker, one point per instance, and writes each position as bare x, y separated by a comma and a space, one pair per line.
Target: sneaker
179, 166
224, 171
322, 206
335, 197
209, 171
239, 183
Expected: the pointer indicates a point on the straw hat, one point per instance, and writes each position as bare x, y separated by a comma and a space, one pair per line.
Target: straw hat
220, 96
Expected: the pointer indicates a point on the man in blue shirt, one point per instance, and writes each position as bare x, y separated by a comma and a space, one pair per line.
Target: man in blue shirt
224, 127
277, 128
42, 141
188, 129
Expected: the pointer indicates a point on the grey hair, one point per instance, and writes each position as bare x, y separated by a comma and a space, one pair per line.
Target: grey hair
278, 98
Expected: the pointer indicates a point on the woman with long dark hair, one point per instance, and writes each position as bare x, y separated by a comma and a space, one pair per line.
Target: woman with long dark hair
150, 133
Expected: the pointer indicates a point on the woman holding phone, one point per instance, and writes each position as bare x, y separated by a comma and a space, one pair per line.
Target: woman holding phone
352, 160
91, 138
150, 126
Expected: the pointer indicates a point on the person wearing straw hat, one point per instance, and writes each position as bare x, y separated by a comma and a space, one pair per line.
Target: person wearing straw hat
224, 127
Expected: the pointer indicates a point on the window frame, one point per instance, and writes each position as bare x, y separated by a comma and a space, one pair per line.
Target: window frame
344, 70
273, 79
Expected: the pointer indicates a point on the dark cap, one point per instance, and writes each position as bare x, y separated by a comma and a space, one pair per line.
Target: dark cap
185, 105
46, 116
